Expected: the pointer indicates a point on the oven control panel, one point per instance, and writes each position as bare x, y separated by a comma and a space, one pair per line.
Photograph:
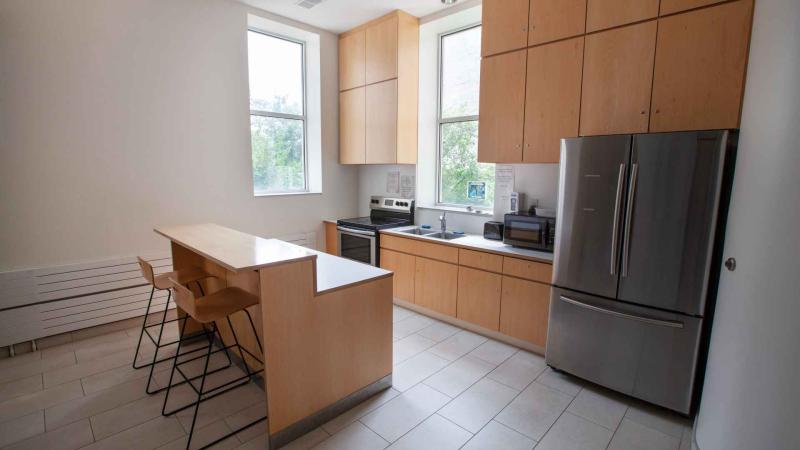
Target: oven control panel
391, 204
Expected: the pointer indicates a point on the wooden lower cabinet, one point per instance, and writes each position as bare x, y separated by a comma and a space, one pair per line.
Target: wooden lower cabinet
524, 309
403, 267
479, 297
436, 285
331, 239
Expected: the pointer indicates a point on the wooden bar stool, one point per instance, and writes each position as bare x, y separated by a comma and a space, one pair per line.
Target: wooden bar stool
162, 282
208, 310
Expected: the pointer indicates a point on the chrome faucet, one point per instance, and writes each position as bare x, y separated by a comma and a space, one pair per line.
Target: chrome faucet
443, 221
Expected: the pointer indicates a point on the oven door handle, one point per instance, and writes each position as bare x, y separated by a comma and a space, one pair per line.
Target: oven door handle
353, 231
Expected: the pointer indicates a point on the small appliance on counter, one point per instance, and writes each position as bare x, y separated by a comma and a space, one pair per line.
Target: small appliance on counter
493, 230
527, 230
515, 201
359, 237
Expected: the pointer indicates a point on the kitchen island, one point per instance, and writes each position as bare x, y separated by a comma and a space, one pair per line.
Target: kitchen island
325, 322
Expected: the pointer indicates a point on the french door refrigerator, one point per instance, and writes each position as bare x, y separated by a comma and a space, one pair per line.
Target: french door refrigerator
639, 223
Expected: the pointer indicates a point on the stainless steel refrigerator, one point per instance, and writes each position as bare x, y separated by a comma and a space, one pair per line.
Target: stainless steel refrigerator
639, 225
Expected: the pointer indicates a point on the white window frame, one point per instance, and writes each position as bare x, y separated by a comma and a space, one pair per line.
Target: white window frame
441, 121
301, 117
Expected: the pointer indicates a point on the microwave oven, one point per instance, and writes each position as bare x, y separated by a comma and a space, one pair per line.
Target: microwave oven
529, 231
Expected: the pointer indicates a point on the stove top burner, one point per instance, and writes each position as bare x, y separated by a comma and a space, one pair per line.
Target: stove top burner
373, 223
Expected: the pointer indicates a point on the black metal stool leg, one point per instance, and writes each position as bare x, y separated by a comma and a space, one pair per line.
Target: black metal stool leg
158, 345
141, 333
172, 373
239, 348
202, 385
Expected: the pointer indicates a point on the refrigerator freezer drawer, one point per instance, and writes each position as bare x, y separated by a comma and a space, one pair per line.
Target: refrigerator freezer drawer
645, 353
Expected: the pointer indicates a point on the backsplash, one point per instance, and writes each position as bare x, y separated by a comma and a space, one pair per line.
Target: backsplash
536, 181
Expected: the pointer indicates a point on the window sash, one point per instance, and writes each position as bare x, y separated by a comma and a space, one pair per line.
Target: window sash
442, 121
277, 115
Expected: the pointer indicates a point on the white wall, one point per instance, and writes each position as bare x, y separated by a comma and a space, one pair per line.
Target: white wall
116, 116
751, 392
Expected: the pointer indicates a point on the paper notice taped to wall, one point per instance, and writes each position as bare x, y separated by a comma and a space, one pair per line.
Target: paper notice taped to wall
503, 186
393, 182
407, 186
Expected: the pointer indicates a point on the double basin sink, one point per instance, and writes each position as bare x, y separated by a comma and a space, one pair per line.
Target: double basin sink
427, 232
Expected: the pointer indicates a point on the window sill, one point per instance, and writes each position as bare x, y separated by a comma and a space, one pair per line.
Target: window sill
282, 194
457, 210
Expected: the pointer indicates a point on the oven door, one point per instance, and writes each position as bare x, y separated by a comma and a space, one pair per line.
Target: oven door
530, 233
358, 245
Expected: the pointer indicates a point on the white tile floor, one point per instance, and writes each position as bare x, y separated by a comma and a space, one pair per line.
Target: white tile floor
452, 389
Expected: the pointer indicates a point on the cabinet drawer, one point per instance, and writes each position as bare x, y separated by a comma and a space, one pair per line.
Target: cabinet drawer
480, 260
420, 248
529, 270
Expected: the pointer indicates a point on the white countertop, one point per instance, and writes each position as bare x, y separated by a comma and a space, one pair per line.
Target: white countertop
477, 242
238, 251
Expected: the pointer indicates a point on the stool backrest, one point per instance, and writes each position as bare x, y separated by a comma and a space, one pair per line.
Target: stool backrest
147, 270
184, 297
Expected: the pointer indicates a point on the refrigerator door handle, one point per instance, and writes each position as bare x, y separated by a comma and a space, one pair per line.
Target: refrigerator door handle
615, 229
626, 238
647, 320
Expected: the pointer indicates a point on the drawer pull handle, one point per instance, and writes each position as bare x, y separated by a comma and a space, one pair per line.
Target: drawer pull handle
663, 323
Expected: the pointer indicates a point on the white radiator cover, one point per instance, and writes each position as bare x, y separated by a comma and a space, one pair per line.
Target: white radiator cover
37, 303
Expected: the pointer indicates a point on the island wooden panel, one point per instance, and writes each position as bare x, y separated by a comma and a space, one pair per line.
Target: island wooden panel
313, 370
552, 99
699, 75
617, 80
479, 297
551, 20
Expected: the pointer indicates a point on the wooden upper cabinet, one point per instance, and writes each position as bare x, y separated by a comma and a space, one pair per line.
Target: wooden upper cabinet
381, 123
552, 98
382, 50
699, 75
673, 6
602, 14
352, 126
551, 20
504, 26
617, 80
502, 107
352, 60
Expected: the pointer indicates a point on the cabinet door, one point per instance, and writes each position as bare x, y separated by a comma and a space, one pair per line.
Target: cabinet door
331, 238
436, 285
551, 20
504, 26
352, 122
382, 123
673, 6
602, 14
552, 98
524, 309
502, 107
382, 51
701, 58
352, 60
617, 80
403, 267
479, 297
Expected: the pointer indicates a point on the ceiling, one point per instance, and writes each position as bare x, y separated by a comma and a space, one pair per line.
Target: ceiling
342, 15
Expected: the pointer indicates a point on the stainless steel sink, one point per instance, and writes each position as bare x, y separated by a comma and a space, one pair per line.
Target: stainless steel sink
446, 235
419, 231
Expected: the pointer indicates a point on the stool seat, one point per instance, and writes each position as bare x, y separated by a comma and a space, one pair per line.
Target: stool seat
182, 276
216, 306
